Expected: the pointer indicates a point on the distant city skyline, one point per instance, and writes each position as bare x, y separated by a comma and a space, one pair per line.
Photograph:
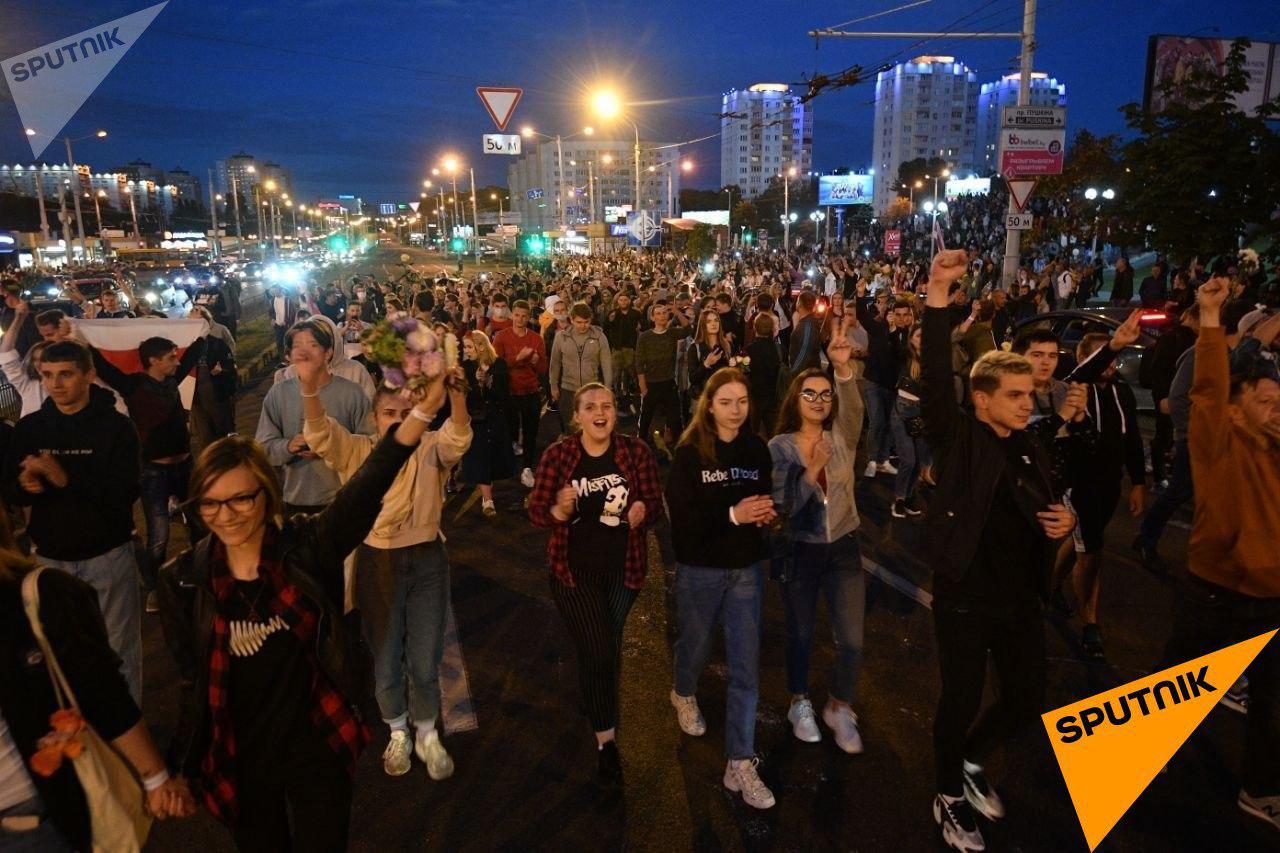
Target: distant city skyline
365, 98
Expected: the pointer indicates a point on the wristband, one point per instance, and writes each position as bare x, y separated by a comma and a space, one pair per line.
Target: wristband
156, 780
732, 518
417, 413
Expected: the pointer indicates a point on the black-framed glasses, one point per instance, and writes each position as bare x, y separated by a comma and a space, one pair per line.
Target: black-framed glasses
811, 396
238, 504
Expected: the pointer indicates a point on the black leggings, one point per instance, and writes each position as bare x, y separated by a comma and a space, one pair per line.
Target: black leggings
303, 802
1016, 644
664, 398
523, 414
595, 612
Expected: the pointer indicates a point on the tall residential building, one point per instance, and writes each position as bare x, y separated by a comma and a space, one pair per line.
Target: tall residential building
764, 130
534, 180
1046, 91
249, 171
188, 186
141, 170
926, 107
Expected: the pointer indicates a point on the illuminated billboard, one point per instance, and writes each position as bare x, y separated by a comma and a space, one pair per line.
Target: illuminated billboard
844, 189
1173, 57
967, 186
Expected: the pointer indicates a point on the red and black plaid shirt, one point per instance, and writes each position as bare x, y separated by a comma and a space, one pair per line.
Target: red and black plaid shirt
345, 734
555, 471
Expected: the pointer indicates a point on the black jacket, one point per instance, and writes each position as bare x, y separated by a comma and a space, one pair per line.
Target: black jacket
74, 627
969, 459
98, 448
311, 549
155, 405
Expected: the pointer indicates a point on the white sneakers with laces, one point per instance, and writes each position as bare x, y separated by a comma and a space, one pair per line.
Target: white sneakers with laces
844, 726
871, 469
741, 777
803, 724
688, 715
526, 478
395, 758
431, 752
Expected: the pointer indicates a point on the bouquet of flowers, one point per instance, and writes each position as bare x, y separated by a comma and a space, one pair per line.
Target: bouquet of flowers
742, 362
409, 352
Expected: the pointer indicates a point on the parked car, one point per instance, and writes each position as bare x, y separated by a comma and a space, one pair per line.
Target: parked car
1069, 326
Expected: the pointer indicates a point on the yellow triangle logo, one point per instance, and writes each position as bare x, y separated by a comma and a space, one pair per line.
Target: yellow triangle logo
1110, 746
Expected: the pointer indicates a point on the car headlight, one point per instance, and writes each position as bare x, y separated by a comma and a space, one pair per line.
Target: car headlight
213, 279
150, 297
52, 292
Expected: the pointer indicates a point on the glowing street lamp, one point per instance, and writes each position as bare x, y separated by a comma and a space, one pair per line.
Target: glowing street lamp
606, 104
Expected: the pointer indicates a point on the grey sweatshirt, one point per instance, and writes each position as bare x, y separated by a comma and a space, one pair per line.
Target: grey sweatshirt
579, 359
307, 482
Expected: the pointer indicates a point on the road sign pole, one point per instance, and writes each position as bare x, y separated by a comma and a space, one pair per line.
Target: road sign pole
1013, 239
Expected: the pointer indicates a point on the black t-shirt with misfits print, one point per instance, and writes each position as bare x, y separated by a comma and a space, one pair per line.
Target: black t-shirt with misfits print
598, 535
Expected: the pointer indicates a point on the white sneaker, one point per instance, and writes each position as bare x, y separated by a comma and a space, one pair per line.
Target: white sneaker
886, 467
431, 752
526, 478
688, 715
741, 777
844, 725
959, 828
803, 725
488, 509
395, 758
871, 469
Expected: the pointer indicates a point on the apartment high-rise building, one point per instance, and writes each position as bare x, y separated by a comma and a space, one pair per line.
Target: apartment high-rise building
1046, 91
926, 107
764, 130
249, 171
534, 181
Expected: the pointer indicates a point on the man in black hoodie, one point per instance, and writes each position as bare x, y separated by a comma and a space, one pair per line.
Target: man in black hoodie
155, 406
75, 464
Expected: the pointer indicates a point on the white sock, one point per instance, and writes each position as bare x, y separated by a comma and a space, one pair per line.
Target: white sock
971, 768
425, 728
399, 724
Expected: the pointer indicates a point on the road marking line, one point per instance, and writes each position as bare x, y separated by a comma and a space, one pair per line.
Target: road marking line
898, 582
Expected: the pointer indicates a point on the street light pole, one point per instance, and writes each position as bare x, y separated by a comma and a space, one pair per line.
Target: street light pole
786, 213
75, 194
1013, 239
235, 205
44, 217
636, 128
560, 206
133, 211
475, 218
591, 190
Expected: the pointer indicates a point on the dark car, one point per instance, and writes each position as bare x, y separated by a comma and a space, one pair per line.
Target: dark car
1069, 326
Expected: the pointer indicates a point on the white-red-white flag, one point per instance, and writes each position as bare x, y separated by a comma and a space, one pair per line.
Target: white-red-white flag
118, 341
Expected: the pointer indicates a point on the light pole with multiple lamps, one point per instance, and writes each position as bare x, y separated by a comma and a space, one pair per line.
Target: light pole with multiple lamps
787, 218
75, 192
561, 207
1093, 194
933, 208
816, 218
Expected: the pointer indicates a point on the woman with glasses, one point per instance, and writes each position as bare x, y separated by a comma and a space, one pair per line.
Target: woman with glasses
813, 455
270, 728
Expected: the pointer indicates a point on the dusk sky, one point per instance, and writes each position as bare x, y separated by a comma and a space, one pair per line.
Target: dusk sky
364, 97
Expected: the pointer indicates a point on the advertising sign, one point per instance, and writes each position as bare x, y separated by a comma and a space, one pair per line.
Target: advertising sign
844, 189
1171, 58
893, 242
385, 209
1031, 152
534, 193
707, 217
967, 186
644, 228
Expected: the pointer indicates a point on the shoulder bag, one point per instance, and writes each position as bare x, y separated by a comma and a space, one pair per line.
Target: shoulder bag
117, 806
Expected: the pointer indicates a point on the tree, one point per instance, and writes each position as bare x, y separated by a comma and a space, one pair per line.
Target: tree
700, 243
1201, 173
770, 204
920, 170
1092, 162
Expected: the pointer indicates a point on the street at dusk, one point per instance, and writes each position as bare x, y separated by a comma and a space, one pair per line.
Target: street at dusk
439, 426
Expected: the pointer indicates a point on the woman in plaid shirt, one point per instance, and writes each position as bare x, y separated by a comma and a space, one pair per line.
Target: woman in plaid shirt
597, 490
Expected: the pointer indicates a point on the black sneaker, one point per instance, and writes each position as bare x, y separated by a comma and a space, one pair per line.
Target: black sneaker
1264, 808
959, 826
1237, 696
1058, 601
980, 794
1091, 643
1147, 554
609, 764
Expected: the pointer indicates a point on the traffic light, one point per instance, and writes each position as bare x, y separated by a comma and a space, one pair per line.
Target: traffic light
747, 237
533, 245
338, 244
457, 244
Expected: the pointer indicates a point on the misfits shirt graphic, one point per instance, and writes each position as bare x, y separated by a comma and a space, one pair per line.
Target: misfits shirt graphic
603, 497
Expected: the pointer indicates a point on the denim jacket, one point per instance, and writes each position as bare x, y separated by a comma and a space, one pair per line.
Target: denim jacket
815, 515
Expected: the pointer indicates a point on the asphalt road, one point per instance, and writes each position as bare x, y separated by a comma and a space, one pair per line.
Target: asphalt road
525, 774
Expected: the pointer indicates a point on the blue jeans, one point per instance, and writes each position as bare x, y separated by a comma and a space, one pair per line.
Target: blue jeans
833, 570
158, 482
403, 594
114, 577
913, 453
1178, 493
731, 596
880, 402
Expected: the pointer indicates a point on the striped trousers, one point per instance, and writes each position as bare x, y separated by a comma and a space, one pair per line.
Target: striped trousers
595, 612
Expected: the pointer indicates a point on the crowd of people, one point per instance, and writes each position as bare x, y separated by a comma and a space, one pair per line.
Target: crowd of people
736, 403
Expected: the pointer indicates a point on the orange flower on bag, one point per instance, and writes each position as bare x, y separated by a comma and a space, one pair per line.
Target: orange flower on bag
60, 742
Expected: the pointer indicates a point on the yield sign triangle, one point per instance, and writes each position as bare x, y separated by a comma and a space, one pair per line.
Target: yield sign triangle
47, 96
413, 205
500, 102
1020, 191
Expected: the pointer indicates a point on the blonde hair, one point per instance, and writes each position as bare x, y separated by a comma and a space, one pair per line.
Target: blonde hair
582, 392
987, 370
485, 353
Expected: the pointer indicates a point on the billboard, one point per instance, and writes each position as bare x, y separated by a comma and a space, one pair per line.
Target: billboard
844, 189
968, 186
1032, 140
1173, 57
707, 217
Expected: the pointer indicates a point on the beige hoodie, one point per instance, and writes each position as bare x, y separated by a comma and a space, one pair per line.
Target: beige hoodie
411, 507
